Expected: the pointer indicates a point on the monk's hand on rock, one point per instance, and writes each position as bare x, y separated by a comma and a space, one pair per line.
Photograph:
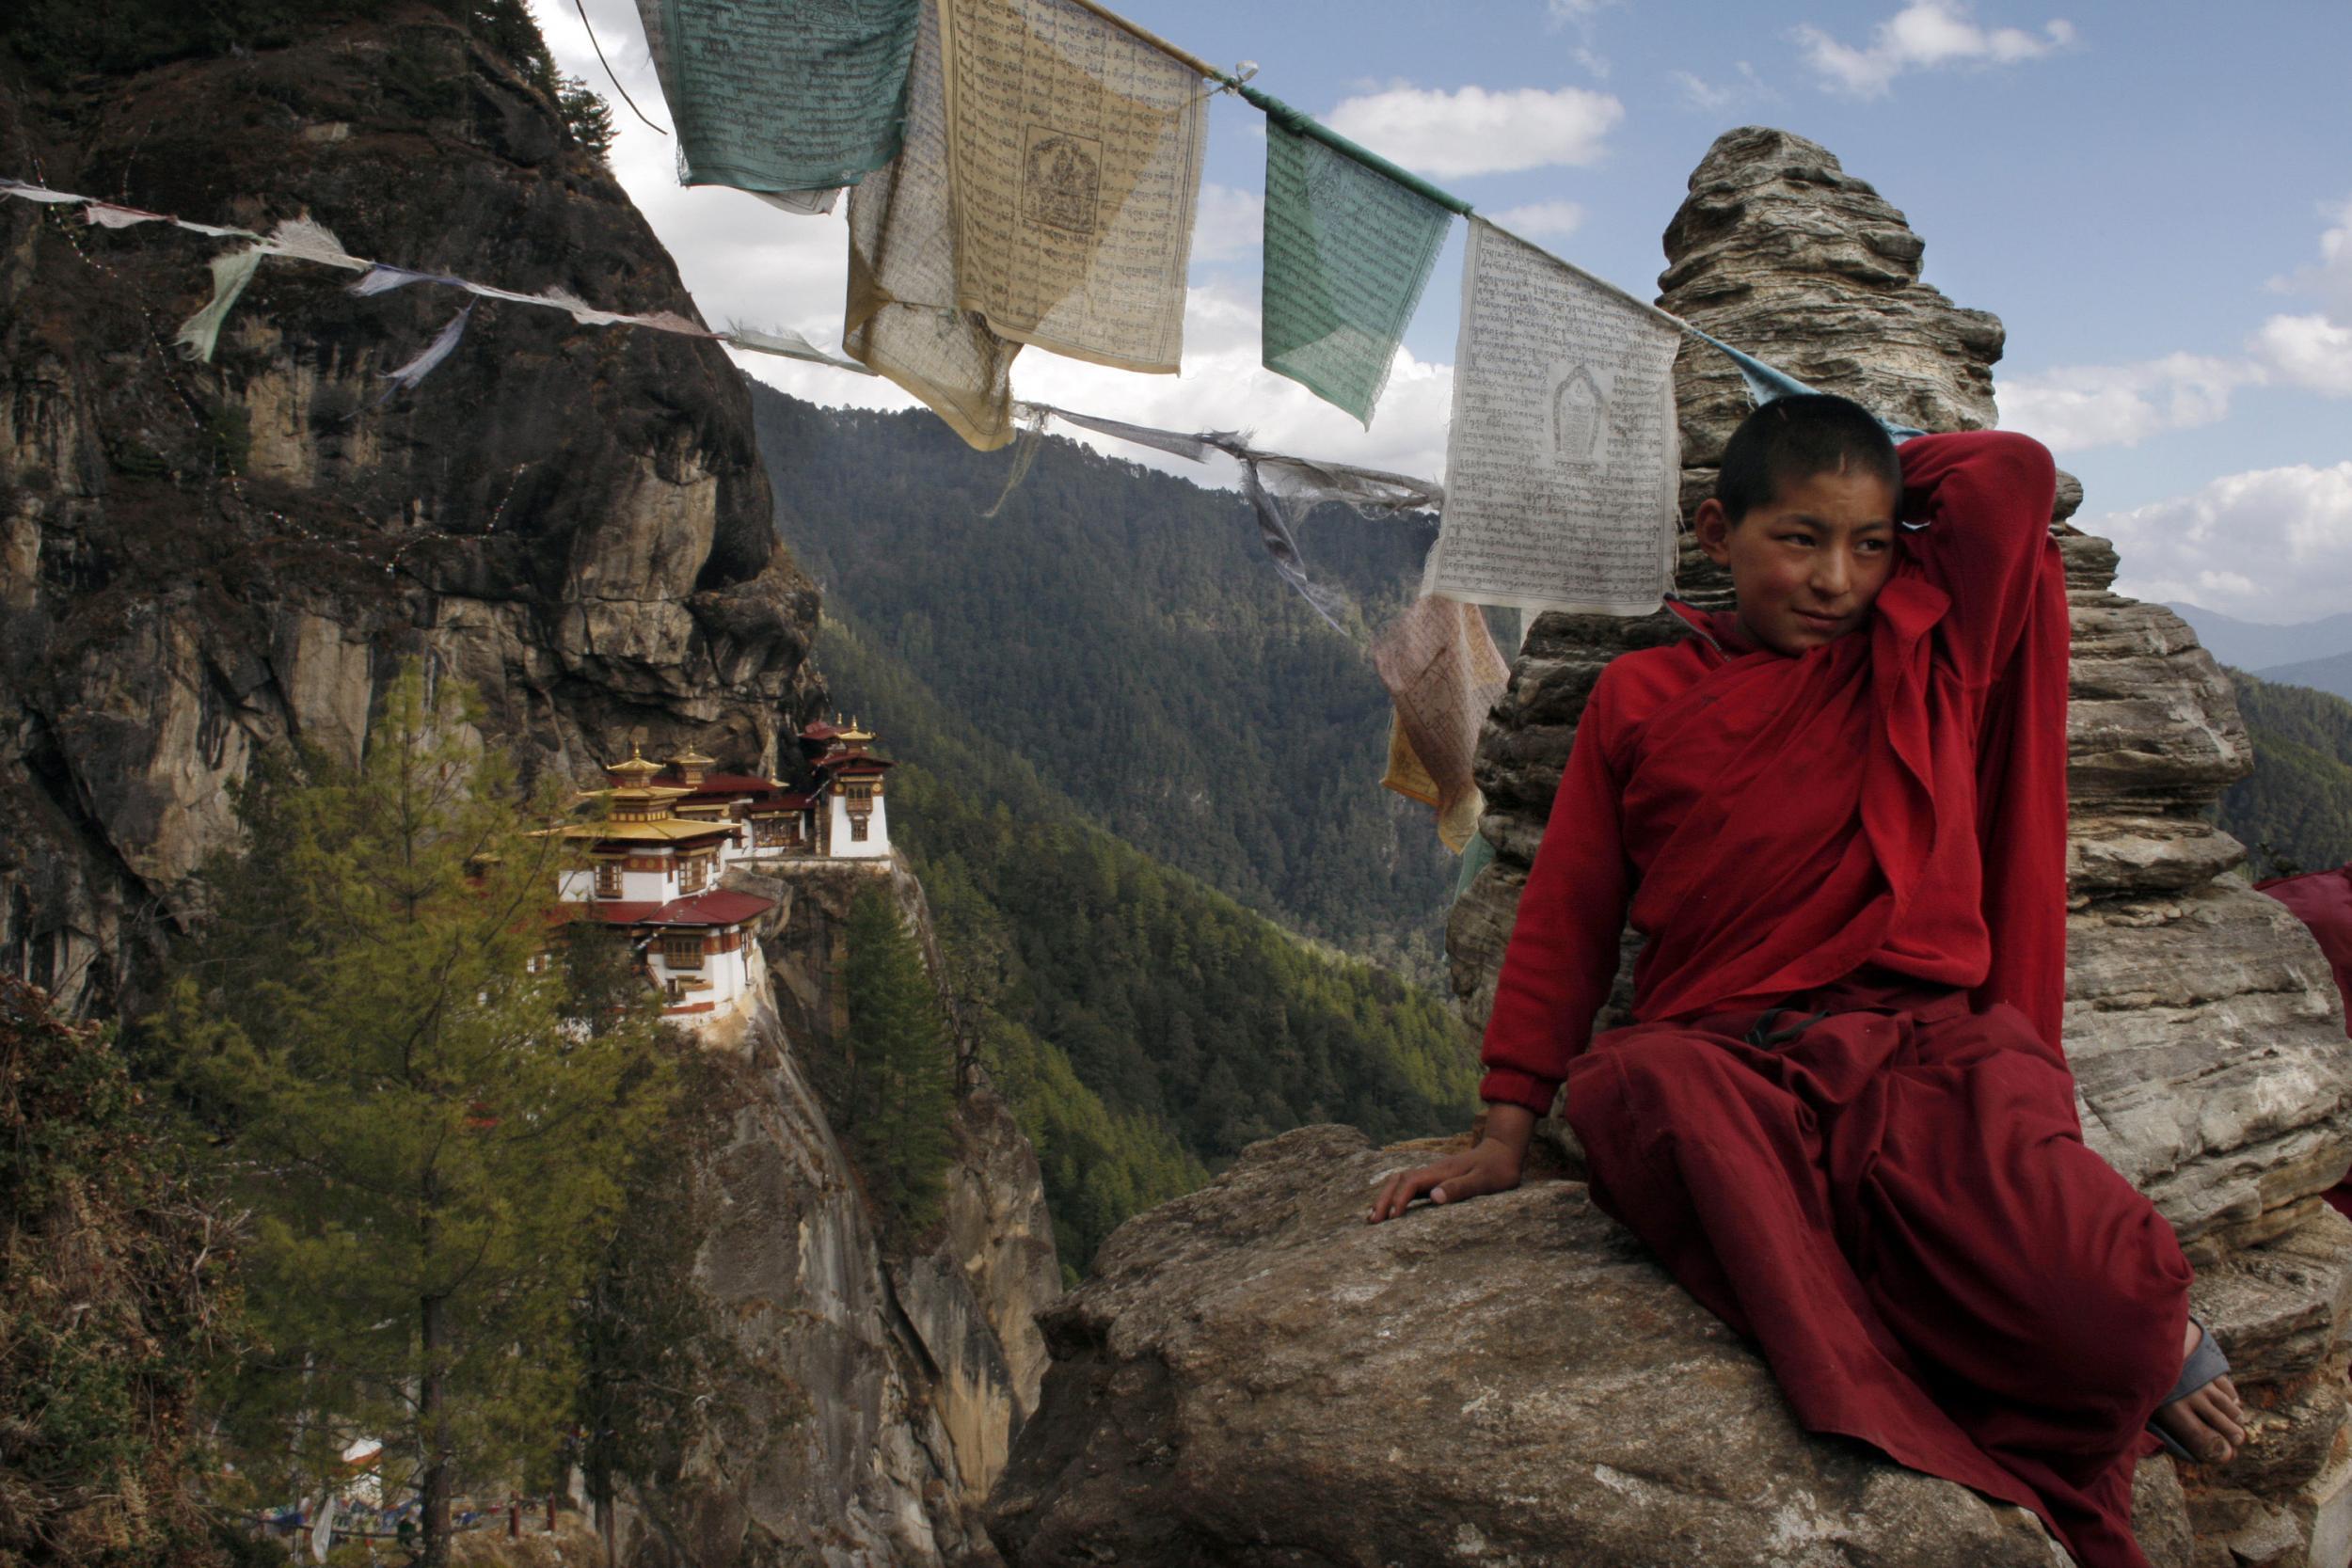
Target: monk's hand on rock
1490, 1167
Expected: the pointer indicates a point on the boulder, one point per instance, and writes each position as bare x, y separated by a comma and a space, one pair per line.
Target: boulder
1254, 1377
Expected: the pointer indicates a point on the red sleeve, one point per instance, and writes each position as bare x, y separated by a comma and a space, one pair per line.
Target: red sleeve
1985, 496
1563, 952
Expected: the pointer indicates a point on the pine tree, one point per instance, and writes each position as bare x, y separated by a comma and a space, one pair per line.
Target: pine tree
431, 1129
895, 1081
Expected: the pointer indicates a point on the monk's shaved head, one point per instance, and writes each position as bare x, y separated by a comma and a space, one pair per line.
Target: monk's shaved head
1790, 439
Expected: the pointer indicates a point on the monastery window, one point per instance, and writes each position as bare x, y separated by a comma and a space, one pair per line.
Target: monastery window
682, 949
859, 821
608, 878
693, 873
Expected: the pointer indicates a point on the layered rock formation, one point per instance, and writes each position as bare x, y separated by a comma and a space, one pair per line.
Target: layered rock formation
1518, 1367
201, 560
199, 563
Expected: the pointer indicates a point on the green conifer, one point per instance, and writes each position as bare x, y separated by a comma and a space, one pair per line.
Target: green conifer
431, 1127
894, 1078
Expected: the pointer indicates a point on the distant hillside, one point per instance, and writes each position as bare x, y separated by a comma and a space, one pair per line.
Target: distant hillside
1121, 633
1144, 1026
2295, 812
2258, 646
2333, 675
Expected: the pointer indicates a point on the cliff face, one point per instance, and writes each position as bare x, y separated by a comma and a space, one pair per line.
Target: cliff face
1519, 1382
199, 560
908, 1364
198, 563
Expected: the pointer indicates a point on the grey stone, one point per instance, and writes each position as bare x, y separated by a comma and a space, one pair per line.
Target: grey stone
1253, 1376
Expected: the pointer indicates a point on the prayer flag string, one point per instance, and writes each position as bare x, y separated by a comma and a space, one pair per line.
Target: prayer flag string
305, 240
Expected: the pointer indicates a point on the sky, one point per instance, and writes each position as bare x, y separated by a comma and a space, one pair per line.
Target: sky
2154, 196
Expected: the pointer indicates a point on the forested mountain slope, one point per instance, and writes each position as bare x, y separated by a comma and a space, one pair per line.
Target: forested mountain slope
1122, 631
1144, 1026
2293, 813
2332, 674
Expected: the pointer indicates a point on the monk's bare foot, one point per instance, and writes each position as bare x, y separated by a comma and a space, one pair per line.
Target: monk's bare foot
2209, 1423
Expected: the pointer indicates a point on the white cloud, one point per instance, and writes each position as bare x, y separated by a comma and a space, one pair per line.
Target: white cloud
2330, 281
2273, 545
1474, 131
2310, 352
1541, 219
2076, 406
1223, 385
1231, 223
1582, 15
1699, 93
1926, 35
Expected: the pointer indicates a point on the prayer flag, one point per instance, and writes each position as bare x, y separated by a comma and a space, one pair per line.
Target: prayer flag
1347, 253
1768, 383
405, 377
1561, 465
902, 319
1074, 148
1443, 671
1281, 489
232, 271
782, 95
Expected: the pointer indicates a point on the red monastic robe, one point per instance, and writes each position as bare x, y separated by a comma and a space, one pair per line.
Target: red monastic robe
2322, 900
1842, 1117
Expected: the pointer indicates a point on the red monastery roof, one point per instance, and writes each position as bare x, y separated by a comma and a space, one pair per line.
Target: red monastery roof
727, 785
851, 759
709, 909
703, 908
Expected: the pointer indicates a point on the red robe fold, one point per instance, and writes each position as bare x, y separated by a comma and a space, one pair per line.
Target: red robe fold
1894, 1198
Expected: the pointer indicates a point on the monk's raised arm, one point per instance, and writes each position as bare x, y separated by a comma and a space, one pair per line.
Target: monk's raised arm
1985, 497
1563, 952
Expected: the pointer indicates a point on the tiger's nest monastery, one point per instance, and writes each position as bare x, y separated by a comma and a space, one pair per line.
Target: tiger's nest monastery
671, 830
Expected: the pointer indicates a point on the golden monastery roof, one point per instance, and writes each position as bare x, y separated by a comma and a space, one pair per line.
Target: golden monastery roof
636, 771
661, 829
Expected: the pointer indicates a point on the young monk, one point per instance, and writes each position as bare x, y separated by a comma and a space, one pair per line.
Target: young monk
1842, 1121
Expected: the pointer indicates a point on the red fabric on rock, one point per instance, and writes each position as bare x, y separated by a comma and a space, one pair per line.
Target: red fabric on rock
1896, 1201
2323, 901
1898, 1207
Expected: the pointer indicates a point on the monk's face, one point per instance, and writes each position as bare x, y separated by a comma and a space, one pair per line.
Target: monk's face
1807, 565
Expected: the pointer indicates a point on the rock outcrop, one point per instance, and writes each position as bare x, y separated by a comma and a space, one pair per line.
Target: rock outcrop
201, 562
1253, 1377
198, 560
904, 1367
1517, 1383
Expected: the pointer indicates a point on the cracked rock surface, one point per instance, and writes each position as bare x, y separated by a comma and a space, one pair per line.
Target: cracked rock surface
198, 561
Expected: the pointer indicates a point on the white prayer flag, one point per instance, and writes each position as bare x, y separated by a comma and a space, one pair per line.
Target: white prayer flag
1562, 463
1075, 152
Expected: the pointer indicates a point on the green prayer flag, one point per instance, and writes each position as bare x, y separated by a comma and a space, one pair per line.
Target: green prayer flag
1347, 252
783, 95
